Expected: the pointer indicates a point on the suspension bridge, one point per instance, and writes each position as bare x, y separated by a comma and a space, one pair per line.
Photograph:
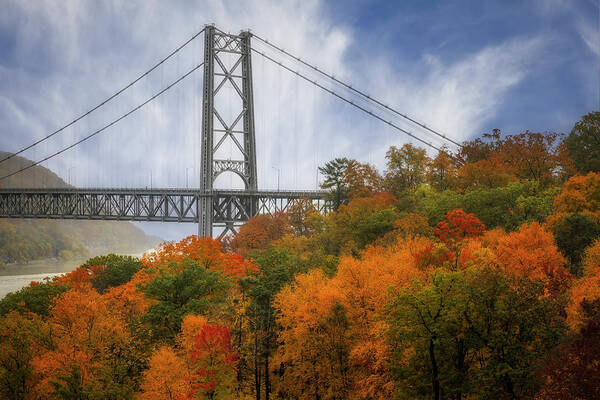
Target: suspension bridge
207, 206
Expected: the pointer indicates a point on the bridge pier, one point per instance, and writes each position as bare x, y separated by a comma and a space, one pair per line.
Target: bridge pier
227, 57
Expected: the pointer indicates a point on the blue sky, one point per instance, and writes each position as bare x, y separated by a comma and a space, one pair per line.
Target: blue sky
463, 67
562, 84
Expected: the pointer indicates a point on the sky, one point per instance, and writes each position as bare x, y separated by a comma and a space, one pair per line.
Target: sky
462, 67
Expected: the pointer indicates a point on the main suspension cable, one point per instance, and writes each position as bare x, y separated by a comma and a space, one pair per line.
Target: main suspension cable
359, 92
390, 123
105, 126
106, 100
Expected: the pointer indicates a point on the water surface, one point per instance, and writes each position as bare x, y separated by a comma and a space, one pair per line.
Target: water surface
16, 276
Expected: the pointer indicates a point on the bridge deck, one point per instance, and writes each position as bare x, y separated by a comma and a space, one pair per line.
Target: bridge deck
134, 204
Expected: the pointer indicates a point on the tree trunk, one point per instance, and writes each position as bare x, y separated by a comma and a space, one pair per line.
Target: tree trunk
267, 380
435, 381
461, 365
256, 367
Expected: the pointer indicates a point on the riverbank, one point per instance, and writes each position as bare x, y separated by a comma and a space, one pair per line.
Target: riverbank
14, 276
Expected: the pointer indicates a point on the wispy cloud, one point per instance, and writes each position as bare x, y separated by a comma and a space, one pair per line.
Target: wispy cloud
458, 98
589, 34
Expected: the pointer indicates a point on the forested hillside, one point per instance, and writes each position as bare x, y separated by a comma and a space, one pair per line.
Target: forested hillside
467, 277
25, 240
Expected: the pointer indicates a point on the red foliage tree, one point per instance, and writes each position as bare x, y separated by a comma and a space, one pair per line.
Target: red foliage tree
455, 230
214, 362
458, 226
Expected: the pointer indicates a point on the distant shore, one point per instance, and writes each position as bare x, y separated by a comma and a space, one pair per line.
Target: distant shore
94, 252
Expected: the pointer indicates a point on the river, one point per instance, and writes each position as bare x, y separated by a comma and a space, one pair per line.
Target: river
16, 276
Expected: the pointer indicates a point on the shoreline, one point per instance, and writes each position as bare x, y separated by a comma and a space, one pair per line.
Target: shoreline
92, 253
15, 276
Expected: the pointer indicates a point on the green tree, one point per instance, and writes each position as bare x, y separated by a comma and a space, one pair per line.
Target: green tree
573, 233
191, 290
358, 223
583, 143
507, 206
335, 173
71, 387
375, 226
116, 270
406, 168
471, 334
434, 205
37, 298
512, 205
276, 269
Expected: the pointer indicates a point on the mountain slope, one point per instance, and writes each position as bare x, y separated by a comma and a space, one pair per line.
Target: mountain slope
24, 240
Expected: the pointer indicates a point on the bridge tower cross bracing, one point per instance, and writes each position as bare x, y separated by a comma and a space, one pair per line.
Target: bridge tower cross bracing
236, 72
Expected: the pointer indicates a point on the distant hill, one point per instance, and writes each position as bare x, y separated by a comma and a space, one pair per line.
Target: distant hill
24, 240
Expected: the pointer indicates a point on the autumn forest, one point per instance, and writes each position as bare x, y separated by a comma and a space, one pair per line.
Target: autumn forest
473, 275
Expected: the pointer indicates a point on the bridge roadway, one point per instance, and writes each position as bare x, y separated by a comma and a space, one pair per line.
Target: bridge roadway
165, 205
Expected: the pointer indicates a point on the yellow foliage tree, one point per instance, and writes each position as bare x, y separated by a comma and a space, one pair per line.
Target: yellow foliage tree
591, 259
580, 194
167, 377
587, 288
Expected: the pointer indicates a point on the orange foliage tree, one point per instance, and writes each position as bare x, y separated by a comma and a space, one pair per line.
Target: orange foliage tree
531, 253
299, 213
22, 337
80, 278
458, 226
441, 174
204, 251
203, 365
586, 288
407, 226
363, 180
532, 155
307, 364
332, 333
363, 285
486, 173
87, 338
259, 231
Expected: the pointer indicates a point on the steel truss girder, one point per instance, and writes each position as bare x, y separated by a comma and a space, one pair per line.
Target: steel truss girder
229, 207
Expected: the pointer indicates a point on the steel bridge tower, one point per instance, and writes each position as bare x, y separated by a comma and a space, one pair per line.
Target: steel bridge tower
227, 61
